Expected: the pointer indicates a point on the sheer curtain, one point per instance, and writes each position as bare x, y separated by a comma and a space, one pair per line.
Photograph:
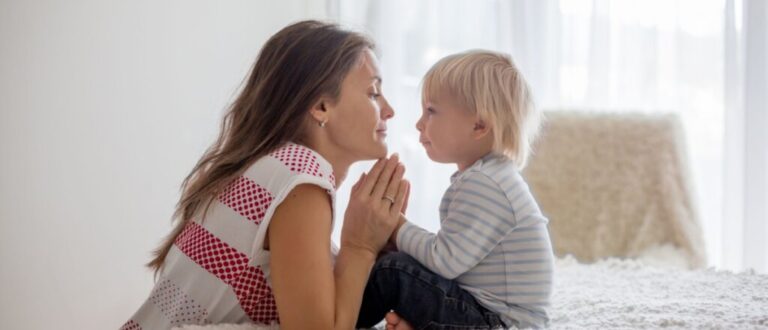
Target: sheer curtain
704, 60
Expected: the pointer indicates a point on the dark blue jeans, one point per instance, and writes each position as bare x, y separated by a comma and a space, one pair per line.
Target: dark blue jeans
426, 300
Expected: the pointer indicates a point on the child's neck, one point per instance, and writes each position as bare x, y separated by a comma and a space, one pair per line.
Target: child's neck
472, 159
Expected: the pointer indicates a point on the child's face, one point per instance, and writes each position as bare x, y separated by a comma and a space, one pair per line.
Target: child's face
448, 131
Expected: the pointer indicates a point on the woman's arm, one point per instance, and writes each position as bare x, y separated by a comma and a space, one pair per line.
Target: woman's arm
309, 292
302, 271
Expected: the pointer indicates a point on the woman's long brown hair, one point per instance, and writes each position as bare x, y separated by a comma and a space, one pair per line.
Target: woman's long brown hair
298, 65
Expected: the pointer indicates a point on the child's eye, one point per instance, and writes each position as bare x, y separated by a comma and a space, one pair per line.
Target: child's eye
431, 110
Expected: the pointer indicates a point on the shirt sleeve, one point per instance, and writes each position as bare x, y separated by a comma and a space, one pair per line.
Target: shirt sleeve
478, 218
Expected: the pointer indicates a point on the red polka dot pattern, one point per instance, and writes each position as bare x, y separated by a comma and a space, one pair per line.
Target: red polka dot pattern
255, 296
247, 198
301, 159
176, 305
229, 265
130, 325
210, 252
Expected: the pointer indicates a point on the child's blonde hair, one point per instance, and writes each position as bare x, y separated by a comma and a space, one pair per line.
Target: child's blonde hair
488, 84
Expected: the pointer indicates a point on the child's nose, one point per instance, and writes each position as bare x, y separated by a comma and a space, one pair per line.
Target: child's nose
420, 124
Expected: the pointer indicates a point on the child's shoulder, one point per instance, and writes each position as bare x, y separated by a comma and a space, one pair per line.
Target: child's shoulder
498, 169
494, 177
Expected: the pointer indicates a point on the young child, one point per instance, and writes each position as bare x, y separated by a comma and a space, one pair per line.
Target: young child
490, 265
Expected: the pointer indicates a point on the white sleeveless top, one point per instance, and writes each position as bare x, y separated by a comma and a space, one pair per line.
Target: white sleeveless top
217, 270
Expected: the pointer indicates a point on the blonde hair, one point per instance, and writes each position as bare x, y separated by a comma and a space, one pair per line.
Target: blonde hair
488, 84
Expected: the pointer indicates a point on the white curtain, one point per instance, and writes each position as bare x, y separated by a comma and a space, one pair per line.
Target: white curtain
704, 60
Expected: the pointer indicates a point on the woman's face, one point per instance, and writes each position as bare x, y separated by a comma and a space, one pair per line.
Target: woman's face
357, 122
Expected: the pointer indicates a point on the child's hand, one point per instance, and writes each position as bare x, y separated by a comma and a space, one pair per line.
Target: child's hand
394, 322
393, 238
407, 195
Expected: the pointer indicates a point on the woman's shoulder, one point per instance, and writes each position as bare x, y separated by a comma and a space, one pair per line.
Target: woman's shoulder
291, 164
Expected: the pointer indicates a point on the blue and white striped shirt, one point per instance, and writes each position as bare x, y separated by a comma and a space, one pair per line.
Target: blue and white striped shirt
493, 241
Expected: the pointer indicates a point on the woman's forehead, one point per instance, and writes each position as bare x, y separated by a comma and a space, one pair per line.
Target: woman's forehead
368, 67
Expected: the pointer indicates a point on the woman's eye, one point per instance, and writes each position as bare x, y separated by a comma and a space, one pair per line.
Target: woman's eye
374, 95
430, 111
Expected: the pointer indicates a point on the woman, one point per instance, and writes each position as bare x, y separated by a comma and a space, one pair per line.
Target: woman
252, 238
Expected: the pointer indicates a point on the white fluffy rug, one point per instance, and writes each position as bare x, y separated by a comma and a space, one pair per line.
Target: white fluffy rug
631, 294
628, 294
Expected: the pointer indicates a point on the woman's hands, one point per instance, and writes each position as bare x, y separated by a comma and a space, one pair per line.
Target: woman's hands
375, 204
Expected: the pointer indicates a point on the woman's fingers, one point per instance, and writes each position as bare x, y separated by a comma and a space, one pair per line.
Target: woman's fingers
373, 176
369, 218
357, 184
394, 184
386, 175
399, 198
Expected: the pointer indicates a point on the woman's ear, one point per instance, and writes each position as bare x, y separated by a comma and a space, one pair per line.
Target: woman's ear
319, 112
480, 130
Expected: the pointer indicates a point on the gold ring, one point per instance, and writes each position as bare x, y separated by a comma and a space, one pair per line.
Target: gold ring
390, 199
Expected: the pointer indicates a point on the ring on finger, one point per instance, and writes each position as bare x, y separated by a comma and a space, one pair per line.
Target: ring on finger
390, 199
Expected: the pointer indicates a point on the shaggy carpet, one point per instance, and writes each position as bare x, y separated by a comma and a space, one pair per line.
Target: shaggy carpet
640, 294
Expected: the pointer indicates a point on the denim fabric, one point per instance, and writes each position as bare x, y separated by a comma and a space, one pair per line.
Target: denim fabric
426, 300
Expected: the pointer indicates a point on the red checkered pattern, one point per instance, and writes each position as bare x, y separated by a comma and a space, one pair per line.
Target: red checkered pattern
247, 198
176, 305
232, 268
130, 325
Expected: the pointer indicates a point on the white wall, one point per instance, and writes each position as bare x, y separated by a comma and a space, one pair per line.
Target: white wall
104, 108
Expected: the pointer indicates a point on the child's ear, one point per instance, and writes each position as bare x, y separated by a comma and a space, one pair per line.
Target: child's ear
481, 129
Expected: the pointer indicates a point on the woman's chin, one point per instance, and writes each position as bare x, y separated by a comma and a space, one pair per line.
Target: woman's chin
382, 150
379, 150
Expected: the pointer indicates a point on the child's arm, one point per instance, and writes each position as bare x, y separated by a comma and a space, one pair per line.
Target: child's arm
479, 216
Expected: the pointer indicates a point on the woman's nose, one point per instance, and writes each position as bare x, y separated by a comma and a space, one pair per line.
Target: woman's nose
386, 110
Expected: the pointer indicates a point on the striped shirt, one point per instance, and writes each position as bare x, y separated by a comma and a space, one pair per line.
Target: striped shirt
217, 270
493, 240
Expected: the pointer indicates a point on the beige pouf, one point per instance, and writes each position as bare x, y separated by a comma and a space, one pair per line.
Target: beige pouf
615, 185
